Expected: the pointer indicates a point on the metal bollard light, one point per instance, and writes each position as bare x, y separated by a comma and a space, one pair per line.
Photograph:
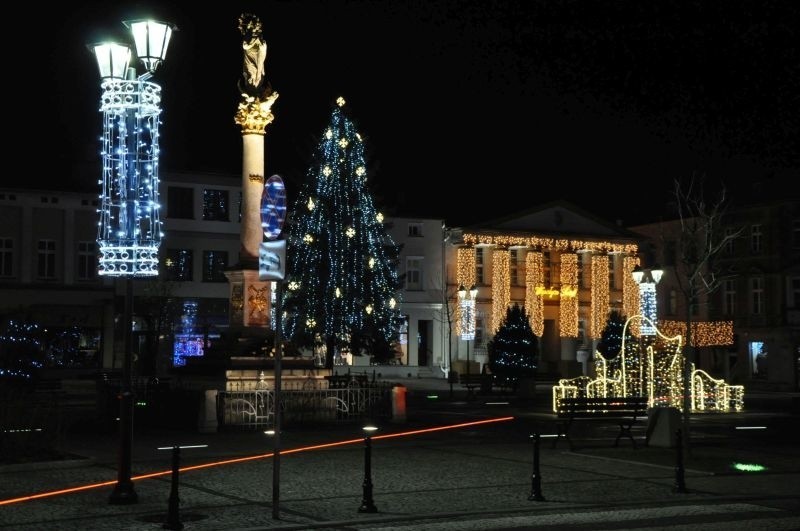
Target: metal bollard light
680, 483
536, 476
173, 507
367, 503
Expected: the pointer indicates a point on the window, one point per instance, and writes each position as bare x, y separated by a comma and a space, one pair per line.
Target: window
214, 264
756, 295
611, 272
180, 202
517, 266
6, 257
46, 259
758, 358
480, 337
87, 260
547, 270
584, 264
479, 265
670, 252
793, 294
755, 238
215, 205
729, 297
581, 333
178, 264
415, 230
796, 233
673, 302
730, 241
413, 273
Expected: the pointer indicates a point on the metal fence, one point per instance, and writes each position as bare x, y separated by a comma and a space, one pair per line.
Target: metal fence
256, 409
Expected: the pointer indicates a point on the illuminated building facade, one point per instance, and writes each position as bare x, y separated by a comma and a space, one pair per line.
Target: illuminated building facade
567, 267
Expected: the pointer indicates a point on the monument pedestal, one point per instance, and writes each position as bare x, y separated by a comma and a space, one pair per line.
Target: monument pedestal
250, 302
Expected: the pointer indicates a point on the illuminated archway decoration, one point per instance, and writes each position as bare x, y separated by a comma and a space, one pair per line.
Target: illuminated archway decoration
654, 371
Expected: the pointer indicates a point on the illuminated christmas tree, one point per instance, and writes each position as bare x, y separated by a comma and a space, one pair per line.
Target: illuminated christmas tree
514, 350
342, 277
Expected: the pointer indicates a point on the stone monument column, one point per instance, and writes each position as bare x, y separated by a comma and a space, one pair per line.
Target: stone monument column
253, 116
249, 296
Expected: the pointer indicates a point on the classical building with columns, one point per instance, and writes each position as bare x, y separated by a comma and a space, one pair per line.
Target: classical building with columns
567, 267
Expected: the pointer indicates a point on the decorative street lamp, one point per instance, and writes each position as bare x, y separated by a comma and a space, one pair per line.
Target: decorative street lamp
129, 230
648, 305
466, 302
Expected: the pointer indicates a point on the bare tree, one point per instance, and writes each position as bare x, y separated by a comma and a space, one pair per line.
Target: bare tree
700, 238
447, 316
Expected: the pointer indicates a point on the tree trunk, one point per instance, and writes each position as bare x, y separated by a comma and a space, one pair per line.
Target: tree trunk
330, 348
687, 375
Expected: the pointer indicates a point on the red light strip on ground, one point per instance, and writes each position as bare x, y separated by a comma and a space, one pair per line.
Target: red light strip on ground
252, 458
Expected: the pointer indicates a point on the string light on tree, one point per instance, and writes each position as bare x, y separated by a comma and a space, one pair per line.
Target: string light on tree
345, 266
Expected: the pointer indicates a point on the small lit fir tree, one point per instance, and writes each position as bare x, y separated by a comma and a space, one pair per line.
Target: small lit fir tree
342, 282
514, 349
610, 343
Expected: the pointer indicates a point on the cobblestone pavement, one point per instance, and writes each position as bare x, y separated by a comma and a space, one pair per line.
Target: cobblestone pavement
473, 477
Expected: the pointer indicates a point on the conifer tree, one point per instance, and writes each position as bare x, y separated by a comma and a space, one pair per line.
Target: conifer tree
342, 282
514, 350
610, 343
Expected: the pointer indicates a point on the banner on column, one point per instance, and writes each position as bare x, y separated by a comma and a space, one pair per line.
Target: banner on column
272, 260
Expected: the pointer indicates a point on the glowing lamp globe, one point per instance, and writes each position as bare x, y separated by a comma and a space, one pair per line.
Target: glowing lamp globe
151, 38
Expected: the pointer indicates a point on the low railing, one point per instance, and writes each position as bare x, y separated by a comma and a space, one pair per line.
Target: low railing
256, 409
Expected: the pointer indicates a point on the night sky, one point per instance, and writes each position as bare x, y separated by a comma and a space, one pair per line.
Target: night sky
499, 106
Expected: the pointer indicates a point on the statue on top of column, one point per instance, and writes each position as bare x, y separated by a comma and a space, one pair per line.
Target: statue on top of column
253, 82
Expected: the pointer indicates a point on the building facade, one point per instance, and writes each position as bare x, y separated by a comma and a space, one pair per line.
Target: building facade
565, 266
757, 291
48, 270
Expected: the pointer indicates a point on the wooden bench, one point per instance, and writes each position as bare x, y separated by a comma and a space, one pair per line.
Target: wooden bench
624, 411
470, 381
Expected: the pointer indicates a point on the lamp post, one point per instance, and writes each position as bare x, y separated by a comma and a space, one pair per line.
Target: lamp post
648, 304
129, 230
466, 300
367, 503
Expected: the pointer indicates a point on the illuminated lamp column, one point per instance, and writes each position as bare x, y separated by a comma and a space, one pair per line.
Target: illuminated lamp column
129, 229
647, 280
466, 324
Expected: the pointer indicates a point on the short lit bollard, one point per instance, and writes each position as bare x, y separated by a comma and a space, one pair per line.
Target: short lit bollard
173, 510
367, 503
680, 482
276, 473
536, 477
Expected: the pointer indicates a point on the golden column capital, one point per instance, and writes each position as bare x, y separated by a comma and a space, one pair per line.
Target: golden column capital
255, 114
